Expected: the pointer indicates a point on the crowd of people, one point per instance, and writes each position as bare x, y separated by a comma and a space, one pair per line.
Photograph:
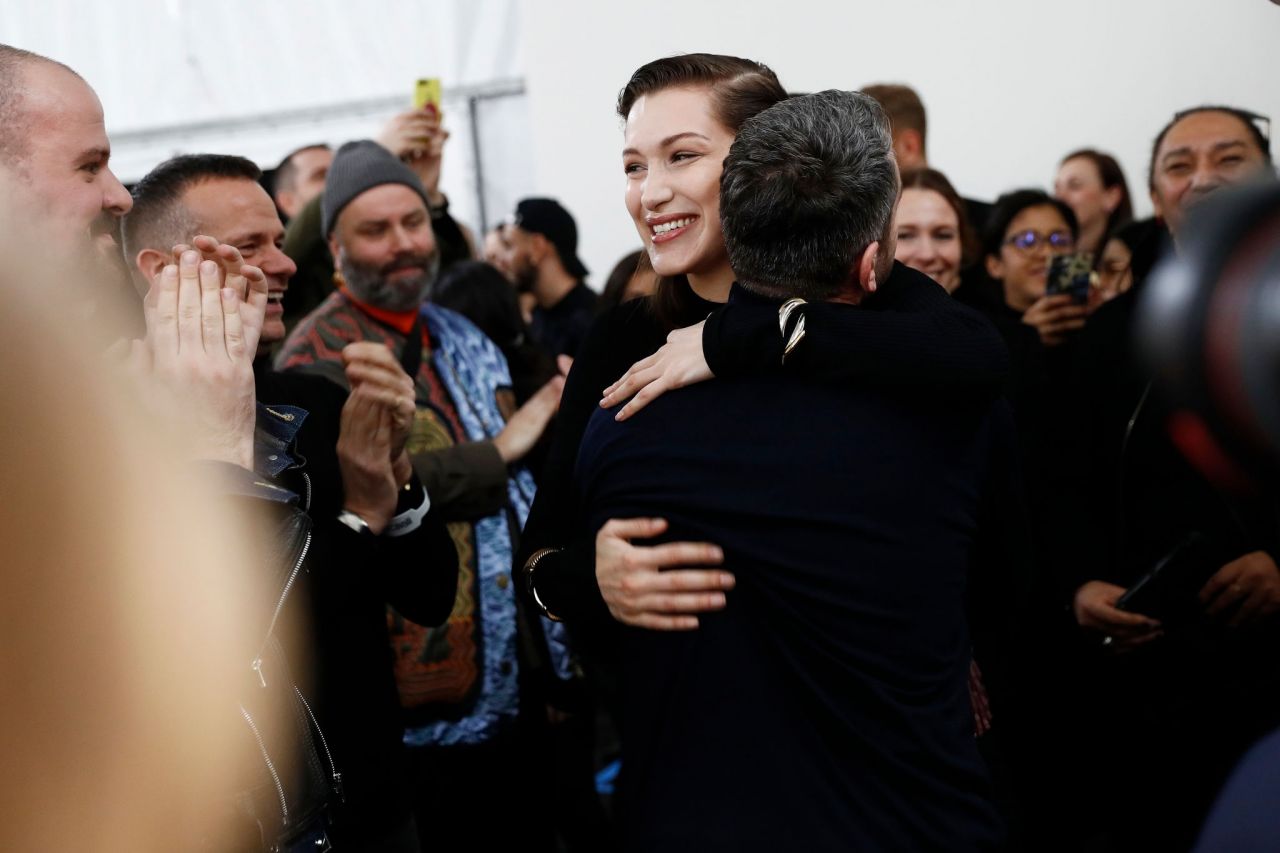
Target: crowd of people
824, 518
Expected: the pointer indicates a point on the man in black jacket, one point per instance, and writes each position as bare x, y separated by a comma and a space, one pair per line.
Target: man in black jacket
826, 706
1180, 694
374, 543
541, 243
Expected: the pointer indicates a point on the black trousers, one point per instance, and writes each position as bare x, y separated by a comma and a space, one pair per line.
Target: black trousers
494, 795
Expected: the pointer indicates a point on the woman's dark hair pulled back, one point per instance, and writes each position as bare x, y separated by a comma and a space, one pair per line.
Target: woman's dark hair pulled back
739, 89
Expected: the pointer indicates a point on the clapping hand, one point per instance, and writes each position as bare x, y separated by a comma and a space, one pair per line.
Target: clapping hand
371, 369
195, 367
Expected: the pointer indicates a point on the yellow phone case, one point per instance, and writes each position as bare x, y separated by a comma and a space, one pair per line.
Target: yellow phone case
427, 91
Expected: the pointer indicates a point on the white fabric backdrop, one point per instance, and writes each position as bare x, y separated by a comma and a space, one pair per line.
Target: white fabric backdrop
1010, 85
262, 77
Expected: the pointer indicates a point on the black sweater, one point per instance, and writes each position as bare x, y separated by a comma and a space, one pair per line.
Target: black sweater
909, 335
826, 707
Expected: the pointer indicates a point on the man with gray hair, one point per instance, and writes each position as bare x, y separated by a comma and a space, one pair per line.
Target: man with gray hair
812, 220
826, 706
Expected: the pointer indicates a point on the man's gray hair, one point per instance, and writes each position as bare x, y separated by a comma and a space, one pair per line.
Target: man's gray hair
15, 124
808, 185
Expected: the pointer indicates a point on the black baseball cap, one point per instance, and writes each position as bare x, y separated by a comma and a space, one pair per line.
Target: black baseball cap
547, 217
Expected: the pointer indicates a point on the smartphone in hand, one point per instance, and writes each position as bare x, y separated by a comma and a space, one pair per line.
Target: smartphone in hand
1070, 274
427, 91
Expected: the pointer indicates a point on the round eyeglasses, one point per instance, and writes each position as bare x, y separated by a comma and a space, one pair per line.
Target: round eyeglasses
1031, 240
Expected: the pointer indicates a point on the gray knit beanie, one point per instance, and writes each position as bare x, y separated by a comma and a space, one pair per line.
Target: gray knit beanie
357, 167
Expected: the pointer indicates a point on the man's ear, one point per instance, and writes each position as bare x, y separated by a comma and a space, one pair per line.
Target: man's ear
150, 263
909, 147
867, 268
147, 266
539, 245
287, 200
335, 251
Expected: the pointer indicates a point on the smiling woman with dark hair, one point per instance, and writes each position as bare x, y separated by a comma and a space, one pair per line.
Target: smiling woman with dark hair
849, 517
934, 234
681, 115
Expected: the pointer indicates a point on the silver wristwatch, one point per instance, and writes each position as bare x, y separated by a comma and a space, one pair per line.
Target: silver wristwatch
355, 522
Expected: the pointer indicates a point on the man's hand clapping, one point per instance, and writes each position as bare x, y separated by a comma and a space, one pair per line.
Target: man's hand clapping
372, 366
195, 367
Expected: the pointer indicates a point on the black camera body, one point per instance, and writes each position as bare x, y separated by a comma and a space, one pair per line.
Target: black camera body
1209, 327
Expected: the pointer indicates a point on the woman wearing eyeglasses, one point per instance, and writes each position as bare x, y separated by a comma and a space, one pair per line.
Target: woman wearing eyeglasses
1025, 230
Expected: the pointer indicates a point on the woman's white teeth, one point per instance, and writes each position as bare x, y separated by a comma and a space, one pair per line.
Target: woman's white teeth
277, 296
671, 226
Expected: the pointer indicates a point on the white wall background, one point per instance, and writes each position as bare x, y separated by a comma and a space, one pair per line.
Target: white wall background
262, 77
1010, 85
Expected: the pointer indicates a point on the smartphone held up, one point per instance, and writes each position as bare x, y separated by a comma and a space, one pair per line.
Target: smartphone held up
427, 92
1072, 275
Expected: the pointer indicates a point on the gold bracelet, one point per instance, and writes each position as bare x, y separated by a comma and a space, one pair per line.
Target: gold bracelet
529, 566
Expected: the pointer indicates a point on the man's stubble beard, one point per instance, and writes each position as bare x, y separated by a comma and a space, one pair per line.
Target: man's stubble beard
525, 278
373, 286
85, 275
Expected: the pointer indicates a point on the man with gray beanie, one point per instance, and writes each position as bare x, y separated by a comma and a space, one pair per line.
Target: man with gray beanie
473, 691
826, 706
416, 138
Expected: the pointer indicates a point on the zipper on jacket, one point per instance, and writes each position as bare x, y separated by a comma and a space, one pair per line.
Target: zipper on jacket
284, 595
324, 744
271, 767
306, 481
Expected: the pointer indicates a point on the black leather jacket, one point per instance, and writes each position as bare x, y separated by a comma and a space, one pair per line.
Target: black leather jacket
284, 803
